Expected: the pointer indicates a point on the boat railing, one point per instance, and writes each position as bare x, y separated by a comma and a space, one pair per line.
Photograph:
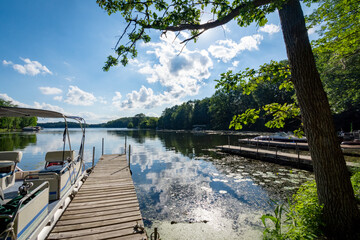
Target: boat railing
52, 178
31, 194
27, 194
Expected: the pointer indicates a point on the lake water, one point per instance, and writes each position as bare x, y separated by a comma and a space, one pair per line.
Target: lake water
185, 188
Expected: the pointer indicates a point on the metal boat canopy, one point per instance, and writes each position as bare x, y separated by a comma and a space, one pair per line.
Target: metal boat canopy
32, 112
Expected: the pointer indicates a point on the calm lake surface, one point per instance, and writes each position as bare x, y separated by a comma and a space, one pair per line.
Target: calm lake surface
185, 188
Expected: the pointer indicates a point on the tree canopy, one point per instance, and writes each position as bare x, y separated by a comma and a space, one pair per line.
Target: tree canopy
337, 51
178, 16
9, 123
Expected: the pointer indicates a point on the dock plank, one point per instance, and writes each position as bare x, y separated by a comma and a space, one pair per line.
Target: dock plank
81, 226
106, 207
87, 232
111, 207
100, 213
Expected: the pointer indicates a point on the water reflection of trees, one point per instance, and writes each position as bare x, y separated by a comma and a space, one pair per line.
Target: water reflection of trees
190, 144
12, 141
187, 143
139, 136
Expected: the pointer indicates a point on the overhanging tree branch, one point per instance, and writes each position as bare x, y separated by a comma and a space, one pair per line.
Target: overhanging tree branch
218, 22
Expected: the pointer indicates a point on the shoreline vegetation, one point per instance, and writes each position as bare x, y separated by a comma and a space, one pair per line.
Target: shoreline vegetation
346, 121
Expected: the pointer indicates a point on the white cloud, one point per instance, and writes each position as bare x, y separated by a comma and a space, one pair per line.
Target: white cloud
233, 67
144, 98
69, 78
35, 105
152, 114
270, 29
50, 107
29, 68
180, 74
76, 96
91, 117
228, 49
311, 31
7, 62
58, 98
116, 100
50, 90
102, 100
5, 97
226, 28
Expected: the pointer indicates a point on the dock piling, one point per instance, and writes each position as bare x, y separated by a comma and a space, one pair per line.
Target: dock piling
102, 147
93, 158
155, 235
129, 155
125, 145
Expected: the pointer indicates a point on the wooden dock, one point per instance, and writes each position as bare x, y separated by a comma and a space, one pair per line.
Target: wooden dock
275, 156
297, 145
286, 145
106, 207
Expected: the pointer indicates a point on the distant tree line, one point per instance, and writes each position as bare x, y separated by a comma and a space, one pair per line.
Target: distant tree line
12, 123
139, 121
217, 111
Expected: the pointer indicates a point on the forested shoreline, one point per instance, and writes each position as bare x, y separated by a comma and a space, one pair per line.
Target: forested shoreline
14, 123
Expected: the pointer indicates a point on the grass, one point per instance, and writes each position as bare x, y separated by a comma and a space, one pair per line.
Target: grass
301, 218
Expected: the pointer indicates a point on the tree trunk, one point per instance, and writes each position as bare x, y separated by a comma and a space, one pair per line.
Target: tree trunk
340, 212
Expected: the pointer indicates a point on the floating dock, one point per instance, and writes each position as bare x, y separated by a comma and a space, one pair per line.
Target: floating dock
292, 159
106, 207
268, 144
296, 145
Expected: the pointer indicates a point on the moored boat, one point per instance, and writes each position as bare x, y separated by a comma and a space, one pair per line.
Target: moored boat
33, 201
350, 138
31, 129
281, 137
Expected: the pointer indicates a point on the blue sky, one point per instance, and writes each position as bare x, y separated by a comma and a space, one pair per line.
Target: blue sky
52, 54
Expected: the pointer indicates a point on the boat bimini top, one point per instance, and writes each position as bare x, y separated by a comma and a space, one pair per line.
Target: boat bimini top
32, 112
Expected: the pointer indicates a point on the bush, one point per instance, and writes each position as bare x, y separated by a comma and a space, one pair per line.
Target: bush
355, 180
303, 216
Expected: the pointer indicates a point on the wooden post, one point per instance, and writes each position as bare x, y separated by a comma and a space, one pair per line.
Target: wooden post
93, 158
229, 141
129, 155
125, 144
298, 152
102, 147
275, 152
156, 234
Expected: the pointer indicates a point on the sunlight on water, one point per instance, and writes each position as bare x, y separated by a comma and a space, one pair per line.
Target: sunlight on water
185, 188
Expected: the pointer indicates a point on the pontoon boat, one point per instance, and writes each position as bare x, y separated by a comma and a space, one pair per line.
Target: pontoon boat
33, 201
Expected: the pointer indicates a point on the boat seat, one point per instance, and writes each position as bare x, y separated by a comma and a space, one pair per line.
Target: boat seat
55, 168
55, 158
8, 162
57, 163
